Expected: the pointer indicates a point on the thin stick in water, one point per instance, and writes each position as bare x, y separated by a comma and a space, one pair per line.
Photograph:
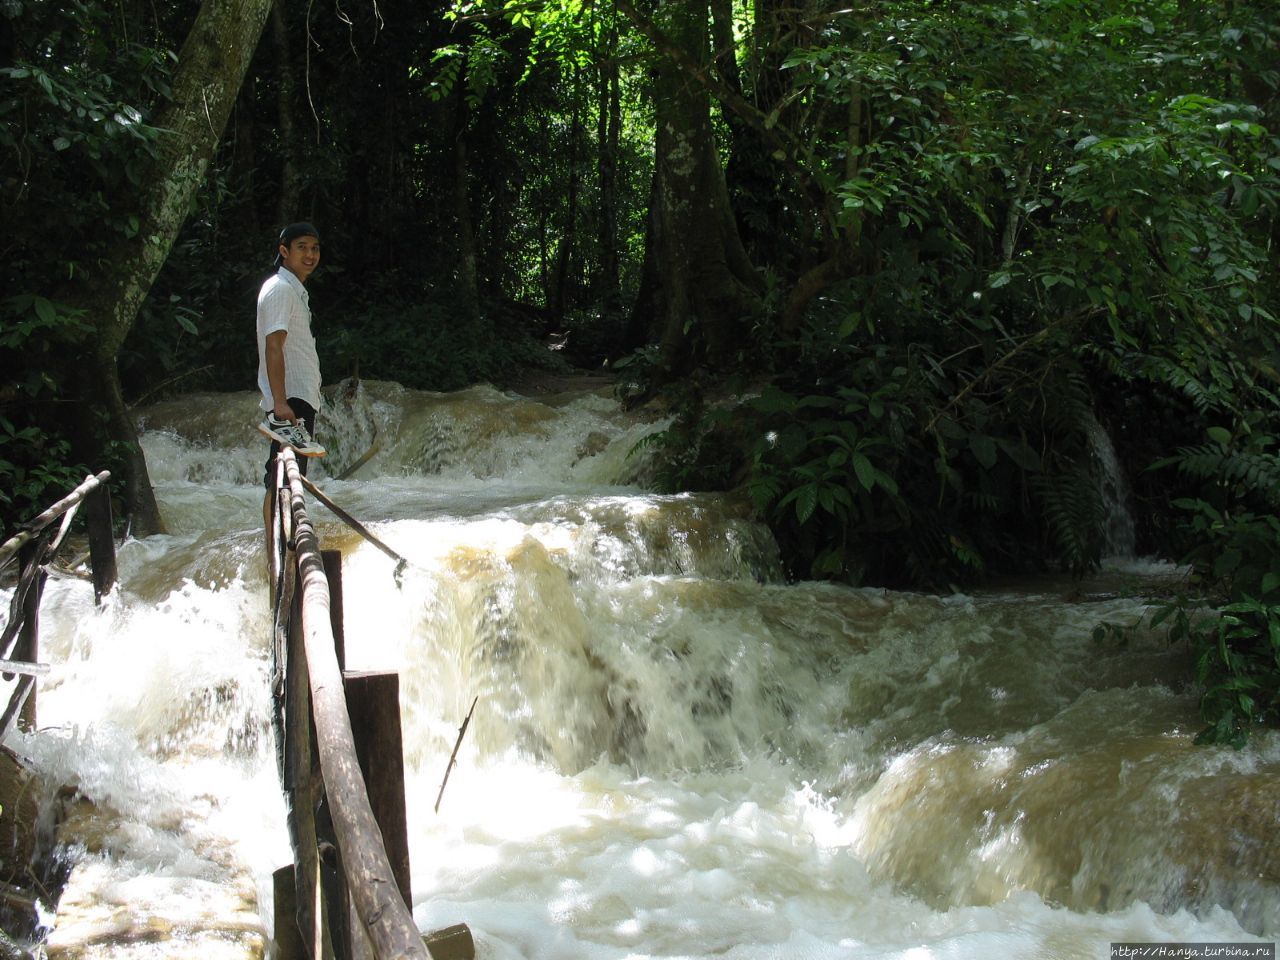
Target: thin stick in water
453, 757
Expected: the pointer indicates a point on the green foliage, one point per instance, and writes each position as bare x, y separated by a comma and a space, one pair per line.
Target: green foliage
1054, 209
827, 462
31, 315
77, 89
37, 467
73, 137
33, 465
867, 474
425, 346
1237, 666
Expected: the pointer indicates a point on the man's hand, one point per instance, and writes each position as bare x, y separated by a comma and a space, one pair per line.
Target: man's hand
282, 411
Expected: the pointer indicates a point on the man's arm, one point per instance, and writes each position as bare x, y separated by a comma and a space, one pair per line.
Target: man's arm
275, 376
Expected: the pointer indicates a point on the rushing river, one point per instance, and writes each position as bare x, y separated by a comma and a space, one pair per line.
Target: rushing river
674, 754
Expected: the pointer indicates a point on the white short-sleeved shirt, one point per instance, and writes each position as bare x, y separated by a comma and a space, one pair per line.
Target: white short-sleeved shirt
283, 305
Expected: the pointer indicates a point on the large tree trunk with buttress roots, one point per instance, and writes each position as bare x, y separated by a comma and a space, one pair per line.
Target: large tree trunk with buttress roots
211, 68
706, 288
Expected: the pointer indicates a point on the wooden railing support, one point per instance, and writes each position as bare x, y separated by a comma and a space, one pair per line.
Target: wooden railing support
102, 545
284, 895
373, 702
32, 527
332, 560
29, 640
301, 781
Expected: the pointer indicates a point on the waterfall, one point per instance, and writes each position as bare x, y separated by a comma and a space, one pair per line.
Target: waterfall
674, 753
1119, 537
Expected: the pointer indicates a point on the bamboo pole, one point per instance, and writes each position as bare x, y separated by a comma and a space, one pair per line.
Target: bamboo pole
355, 525
374, 890
301, 784
24, 668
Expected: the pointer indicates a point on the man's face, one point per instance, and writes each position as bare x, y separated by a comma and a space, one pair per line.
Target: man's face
301, 256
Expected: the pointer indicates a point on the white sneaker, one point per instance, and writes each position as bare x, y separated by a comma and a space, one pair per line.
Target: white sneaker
291, 435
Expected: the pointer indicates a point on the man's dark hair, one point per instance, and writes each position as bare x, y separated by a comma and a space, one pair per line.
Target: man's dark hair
295, 230
292, 232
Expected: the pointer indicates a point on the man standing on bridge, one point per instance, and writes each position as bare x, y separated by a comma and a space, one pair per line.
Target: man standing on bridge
288, 365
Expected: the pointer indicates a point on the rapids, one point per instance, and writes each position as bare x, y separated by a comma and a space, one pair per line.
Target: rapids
674, 753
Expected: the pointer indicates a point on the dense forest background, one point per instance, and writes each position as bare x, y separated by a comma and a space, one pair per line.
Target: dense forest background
893, 266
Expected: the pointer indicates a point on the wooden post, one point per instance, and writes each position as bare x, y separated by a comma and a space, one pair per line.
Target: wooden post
332, 560
288, 941
345, 927
28, 647
373, 703
300, 782
451, 943
102, 544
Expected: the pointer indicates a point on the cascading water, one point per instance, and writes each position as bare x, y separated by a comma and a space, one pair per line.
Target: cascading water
1120, 537
674, 754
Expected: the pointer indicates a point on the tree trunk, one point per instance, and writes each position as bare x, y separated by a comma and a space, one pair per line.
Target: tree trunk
641, 327
558, 296
468, 261
210, 70
608, 126
707, 285
290, 183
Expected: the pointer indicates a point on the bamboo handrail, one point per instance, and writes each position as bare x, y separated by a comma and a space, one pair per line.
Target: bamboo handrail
35, 547
374, 892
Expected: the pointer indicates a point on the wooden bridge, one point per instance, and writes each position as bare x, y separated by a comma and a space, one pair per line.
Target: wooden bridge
347, 895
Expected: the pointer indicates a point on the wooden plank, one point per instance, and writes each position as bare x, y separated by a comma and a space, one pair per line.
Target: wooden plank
374, 888
354, 524
280, 672
21, 708
17, 701
28, 572
337, 918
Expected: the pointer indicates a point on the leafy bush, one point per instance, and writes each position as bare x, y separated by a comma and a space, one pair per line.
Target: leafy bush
870, 470
33, 472
1233, 625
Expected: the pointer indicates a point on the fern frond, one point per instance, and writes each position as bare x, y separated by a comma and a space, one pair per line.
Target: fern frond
1253, 472
1073, 513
